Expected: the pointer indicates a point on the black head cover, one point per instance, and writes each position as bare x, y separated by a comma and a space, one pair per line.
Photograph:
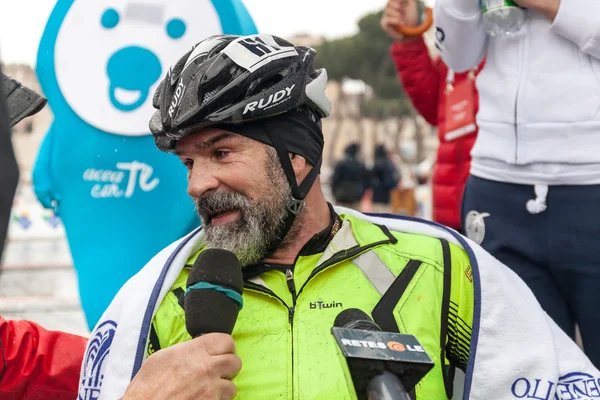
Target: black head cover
213, 307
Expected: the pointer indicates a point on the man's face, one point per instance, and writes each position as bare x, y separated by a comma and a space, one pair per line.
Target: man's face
240, 190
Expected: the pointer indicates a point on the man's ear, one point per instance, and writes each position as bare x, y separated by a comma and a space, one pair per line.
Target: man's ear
299, 164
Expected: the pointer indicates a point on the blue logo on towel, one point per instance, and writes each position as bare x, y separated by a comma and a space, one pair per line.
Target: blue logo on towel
95, 355
575, 385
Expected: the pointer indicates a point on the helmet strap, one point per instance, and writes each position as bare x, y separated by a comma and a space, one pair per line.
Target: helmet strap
298, 192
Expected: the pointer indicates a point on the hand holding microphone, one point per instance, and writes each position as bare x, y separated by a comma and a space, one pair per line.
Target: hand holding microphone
202, 368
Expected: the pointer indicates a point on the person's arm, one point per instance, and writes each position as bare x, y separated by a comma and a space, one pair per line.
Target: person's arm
575, 20
394, 179
460, 35
38, 364
337, 174
419, 75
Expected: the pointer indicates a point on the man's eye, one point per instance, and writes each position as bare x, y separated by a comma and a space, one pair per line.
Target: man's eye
188, 164
219, 154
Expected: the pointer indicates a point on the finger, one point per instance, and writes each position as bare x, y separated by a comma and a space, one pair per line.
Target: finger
412, 7
394, 18
394, 6
387, 22
216, 343
404, 7
399, 21
227, 389
392, 31
393, 13
227, 366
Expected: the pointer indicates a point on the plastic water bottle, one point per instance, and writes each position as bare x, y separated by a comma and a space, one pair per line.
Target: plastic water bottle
502, 17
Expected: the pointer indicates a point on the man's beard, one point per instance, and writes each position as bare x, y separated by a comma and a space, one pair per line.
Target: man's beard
260, 222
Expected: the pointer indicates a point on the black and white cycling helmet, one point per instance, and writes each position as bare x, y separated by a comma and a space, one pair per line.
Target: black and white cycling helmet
259, 86
229, 79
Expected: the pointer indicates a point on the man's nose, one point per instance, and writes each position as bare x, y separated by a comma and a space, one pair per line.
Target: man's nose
200, 181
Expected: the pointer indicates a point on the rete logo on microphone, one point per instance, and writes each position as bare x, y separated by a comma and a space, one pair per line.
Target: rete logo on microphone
392, 345
377, 345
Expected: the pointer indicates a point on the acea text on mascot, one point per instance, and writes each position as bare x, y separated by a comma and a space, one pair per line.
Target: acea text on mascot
121, 200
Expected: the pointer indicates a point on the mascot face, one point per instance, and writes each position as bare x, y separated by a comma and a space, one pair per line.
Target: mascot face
110, 56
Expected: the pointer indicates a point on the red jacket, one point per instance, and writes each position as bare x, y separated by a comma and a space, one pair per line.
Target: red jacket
38, 364
424, 80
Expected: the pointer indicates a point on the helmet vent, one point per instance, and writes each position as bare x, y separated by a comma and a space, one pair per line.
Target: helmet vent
211, 94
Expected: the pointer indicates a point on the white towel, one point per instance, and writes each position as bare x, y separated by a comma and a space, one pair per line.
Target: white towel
517, 351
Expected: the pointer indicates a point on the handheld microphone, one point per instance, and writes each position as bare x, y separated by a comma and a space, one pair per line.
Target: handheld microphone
383, 365
213, 297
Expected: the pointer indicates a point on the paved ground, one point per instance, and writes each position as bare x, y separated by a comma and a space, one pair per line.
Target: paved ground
38, 283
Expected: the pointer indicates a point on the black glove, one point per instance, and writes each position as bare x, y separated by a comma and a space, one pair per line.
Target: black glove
21, 102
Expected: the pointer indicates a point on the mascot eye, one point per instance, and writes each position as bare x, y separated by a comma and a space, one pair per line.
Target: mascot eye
110, 18
175, 28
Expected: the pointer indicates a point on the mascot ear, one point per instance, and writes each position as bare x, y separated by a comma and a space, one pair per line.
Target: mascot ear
21, 101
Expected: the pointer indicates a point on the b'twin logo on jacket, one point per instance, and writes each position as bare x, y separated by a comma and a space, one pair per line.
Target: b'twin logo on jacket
271, 101
319, 305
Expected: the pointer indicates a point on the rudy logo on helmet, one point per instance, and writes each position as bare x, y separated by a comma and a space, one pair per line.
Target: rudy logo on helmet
279, 97
176, 98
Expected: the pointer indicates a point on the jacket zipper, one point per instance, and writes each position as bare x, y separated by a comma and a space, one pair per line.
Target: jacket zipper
289, 277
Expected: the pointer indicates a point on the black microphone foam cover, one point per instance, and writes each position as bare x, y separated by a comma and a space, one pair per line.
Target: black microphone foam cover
211, 309
353, 318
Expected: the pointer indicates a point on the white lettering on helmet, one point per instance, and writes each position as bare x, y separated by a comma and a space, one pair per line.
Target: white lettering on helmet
272, 100
177, 96
250, 107
278, 96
